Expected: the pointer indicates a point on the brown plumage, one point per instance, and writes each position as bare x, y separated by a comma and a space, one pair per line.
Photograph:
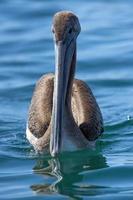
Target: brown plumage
78, 111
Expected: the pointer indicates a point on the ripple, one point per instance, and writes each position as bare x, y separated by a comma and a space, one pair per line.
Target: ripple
121, 125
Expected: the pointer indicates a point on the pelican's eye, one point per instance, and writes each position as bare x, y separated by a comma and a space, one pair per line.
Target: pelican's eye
53, 31
70, 31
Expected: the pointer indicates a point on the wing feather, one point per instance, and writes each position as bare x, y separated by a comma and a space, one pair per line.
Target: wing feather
86, 111
41, 106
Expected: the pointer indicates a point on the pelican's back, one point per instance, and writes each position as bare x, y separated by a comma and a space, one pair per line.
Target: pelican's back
85, 109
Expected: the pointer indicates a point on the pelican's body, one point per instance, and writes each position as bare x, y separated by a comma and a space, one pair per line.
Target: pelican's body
63, 114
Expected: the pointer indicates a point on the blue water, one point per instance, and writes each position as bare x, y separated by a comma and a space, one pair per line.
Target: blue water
105, 62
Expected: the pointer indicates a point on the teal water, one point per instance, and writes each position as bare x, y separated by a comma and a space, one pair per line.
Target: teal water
105, 62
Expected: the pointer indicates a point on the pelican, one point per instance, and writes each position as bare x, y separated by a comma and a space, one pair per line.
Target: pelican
64, 114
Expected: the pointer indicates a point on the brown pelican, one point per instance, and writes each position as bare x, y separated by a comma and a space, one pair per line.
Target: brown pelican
63, 115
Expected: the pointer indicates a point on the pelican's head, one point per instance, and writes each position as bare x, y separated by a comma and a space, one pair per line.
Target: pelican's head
65, 27
65, 30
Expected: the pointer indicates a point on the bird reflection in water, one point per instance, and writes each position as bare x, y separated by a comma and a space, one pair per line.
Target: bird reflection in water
67, 172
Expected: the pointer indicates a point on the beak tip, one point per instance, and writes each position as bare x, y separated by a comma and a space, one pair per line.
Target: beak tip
54, 153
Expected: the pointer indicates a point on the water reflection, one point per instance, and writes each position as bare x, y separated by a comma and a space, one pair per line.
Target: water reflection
67, 172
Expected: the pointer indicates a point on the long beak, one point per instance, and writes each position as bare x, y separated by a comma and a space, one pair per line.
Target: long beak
63, 60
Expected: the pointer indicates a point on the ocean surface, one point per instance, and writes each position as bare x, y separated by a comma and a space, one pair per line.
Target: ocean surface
105, 62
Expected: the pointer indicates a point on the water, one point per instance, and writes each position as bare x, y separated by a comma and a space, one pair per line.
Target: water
105, 48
